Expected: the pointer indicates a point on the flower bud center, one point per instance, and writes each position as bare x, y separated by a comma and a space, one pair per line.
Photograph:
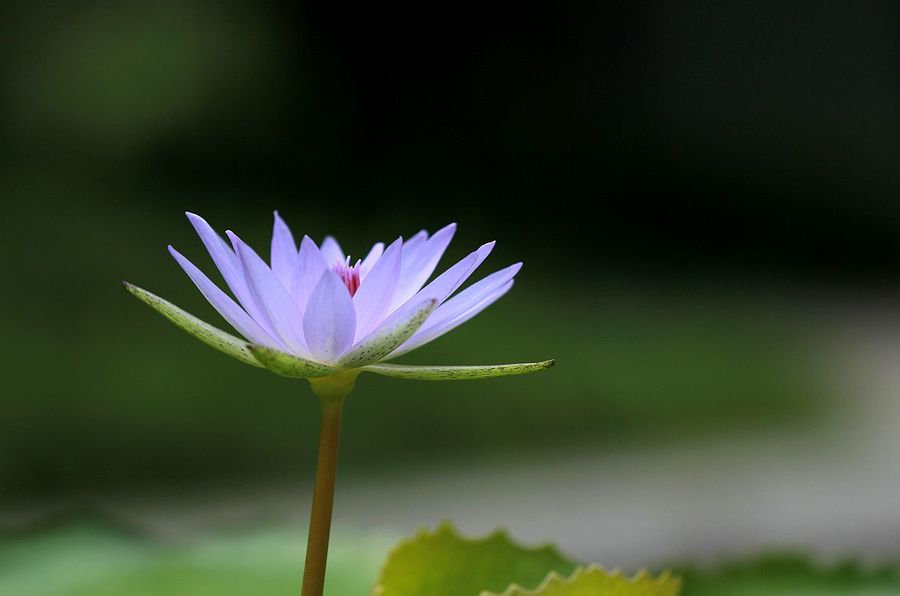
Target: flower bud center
348, 274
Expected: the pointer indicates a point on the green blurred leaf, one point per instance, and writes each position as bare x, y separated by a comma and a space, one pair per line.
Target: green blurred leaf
91, 559
792, 575
456, 373
212, 336
595, 581
443, 563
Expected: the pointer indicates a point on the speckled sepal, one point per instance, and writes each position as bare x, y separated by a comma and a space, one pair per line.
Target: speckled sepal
389, 337
457, 373
288, 365
212, 336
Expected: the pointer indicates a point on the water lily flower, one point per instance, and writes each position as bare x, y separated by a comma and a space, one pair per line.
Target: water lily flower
315, 313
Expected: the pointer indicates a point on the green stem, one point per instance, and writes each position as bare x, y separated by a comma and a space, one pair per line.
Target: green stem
332, 392
323, 500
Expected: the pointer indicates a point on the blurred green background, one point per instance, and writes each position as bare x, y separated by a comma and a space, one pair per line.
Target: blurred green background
702, 194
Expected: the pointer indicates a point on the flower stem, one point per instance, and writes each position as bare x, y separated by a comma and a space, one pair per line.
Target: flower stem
332, 391
323, 498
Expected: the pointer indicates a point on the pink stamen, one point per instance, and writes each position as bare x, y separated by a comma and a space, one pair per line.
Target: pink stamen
349, 275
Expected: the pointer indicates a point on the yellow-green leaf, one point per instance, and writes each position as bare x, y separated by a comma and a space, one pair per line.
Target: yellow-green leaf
443, 563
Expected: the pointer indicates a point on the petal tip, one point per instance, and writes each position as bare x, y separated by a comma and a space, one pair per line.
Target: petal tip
450, 228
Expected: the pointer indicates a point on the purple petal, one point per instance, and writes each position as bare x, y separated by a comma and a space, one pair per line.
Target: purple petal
284, 252
224, 305
230, 267
373, 297
332, 251
418, 265
330, 320
279, 309
412, 246
374, 254
471, 296
307, 273
455, 315
447, 282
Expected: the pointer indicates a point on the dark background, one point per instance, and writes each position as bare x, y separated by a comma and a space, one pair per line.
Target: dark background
679, 177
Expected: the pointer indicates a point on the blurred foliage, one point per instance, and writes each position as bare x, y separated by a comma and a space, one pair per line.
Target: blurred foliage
793, 575
91, 559
87, 559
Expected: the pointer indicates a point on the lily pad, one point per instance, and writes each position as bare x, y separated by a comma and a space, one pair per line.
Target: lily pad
443, 563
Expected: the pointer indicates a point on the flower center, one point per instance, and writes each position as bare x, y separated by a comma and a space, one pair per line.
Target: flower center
349, 275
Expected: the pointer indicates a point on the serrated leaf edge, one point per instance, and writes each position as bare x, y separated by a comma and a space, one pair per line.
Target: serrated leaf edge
554, 577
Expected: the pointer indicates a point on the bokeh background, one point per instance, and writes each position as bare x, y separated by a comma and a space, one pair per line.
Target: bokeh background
703, 193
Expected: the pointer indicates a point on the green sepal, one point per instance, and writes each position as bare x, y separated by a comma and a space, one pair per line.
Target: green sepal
373, 349
288, 365
212, 336
456, 373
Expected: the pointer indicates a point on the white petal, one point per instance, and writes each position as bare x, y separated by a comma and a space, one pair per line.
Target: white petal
419, 265
330, 321
281, 312
332, 251
224, 305
307, 273
284, 252
374, 297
